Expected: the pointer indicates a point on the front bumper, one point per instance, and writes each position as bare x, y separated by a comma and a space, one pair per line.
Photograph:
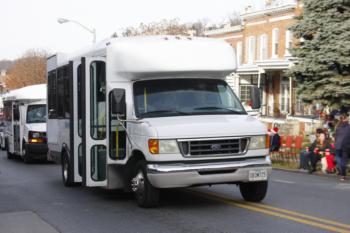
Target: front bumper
37, 150
185, 175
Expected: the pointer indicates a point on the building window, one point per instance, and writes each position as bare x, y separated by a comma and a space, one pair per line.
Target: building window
263, 47
285, 95
250, 49
275, 38
289, 42
239, 53
245, 83
245, 93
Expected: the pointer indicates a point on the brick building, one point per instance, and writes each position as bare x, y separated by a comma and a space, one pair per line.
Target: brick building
261, 43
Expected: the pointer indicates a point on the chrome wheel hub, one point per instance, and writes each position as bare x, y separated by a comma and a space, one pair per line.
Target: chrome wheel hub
138, 182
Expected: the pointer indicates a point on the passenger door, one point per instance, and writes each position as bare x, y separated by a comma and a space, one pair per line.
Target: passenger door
76, 120
94, 120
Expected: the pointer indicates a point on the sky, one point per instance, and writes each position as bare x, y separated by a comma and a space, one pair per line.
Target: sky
27, 25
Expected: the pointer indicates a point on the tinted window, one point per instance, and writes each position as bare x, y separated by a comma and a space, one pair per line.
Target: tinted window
80, 104
63, 92
98, 99
117, 134
52, 94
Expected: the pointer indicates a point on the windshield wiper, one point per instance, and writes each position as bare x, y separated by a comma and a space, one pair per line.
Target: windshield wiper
219, 108
163, 111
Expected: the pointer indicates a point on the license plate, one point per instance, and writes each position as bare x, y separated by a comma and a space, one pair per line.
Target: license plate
256, 175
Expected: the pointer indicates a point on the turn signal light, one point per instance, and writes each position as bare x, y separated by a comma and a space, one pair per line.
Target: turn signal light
153, 146
36, 140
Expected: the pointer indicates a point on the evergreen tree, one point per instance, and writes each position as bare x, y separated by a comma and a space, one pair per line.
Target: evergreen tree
322, 67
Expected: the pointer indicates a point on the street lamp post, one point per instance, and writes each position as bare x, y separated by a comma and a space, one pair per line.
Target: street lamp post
92, 31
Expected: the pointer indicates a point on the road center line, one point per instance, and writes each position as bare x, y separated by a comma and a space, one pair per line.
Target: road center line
281, 213
318, 219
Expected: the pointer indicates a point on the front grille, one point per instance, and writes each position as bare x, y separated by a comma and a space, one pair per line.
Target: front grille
213, 147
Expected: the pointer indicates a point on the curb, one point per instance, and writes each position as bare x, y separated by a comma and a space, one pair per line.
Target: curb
318, 173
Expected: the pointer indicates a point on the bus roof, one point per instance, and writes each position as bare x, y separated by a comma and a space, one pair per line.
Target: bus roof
131, 57
28, 93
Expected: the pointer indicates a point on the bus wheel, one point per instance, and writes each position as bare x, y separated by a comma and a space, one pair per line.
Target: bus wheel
146, 195
66, 171
10, 155
26, 156
254, 191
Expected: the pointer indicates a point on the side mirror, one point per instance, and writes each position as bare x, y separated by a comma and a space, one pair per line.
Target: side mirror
51, 112
117, 103
255, 97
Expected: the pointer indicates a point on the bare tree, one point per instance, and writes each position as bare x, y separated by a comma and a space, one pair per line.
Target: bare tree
199, 27
28, 70
5, 64
163, 27
234, 18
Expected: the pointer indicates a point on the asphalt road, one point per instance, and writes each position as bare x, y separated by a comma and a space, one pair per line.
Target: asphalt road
33, 200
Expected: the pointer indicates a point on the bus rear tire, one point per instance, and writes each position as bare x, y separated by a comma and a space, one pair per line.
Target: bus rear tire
254, 191
10, 155
146, 195
67, 176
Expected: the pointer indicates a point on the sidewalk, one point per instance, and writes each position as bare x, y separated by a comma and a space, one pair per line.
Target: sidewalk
301, 171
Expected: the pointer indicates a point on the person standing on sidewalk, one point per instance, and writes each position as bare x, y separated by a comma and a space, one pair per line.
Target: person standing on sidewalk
341, 144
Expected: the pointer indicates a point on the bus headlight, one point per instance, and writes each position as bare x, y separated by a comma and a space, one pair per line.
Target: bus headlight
258, 142
163, 146
36, 137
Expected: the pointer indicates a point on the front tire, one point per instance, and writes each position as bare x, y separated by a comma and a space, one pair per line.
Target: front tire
67, 176
26, 156
146, 195
254, 191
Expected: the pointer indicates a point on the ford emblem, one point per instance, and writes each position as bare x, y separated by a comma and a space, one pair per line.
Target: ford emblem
215, 147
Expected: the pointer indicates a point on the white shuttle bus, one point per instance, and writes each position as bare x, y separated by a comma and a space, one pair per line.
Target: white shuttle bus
25, 123
149, 113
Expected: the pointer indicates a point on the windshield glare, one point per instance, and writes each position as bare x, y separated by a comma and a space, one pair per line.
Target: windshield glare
36, 113
173, 97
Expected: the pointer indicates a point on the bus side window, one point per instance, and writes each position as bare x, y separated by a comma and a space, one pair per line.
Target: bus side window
15, 113
52, 94
98, 100
80, 105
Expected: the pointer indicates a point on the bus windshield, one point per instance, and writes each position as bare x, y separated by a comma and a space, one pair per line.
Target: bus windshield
175, 97
36, 113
